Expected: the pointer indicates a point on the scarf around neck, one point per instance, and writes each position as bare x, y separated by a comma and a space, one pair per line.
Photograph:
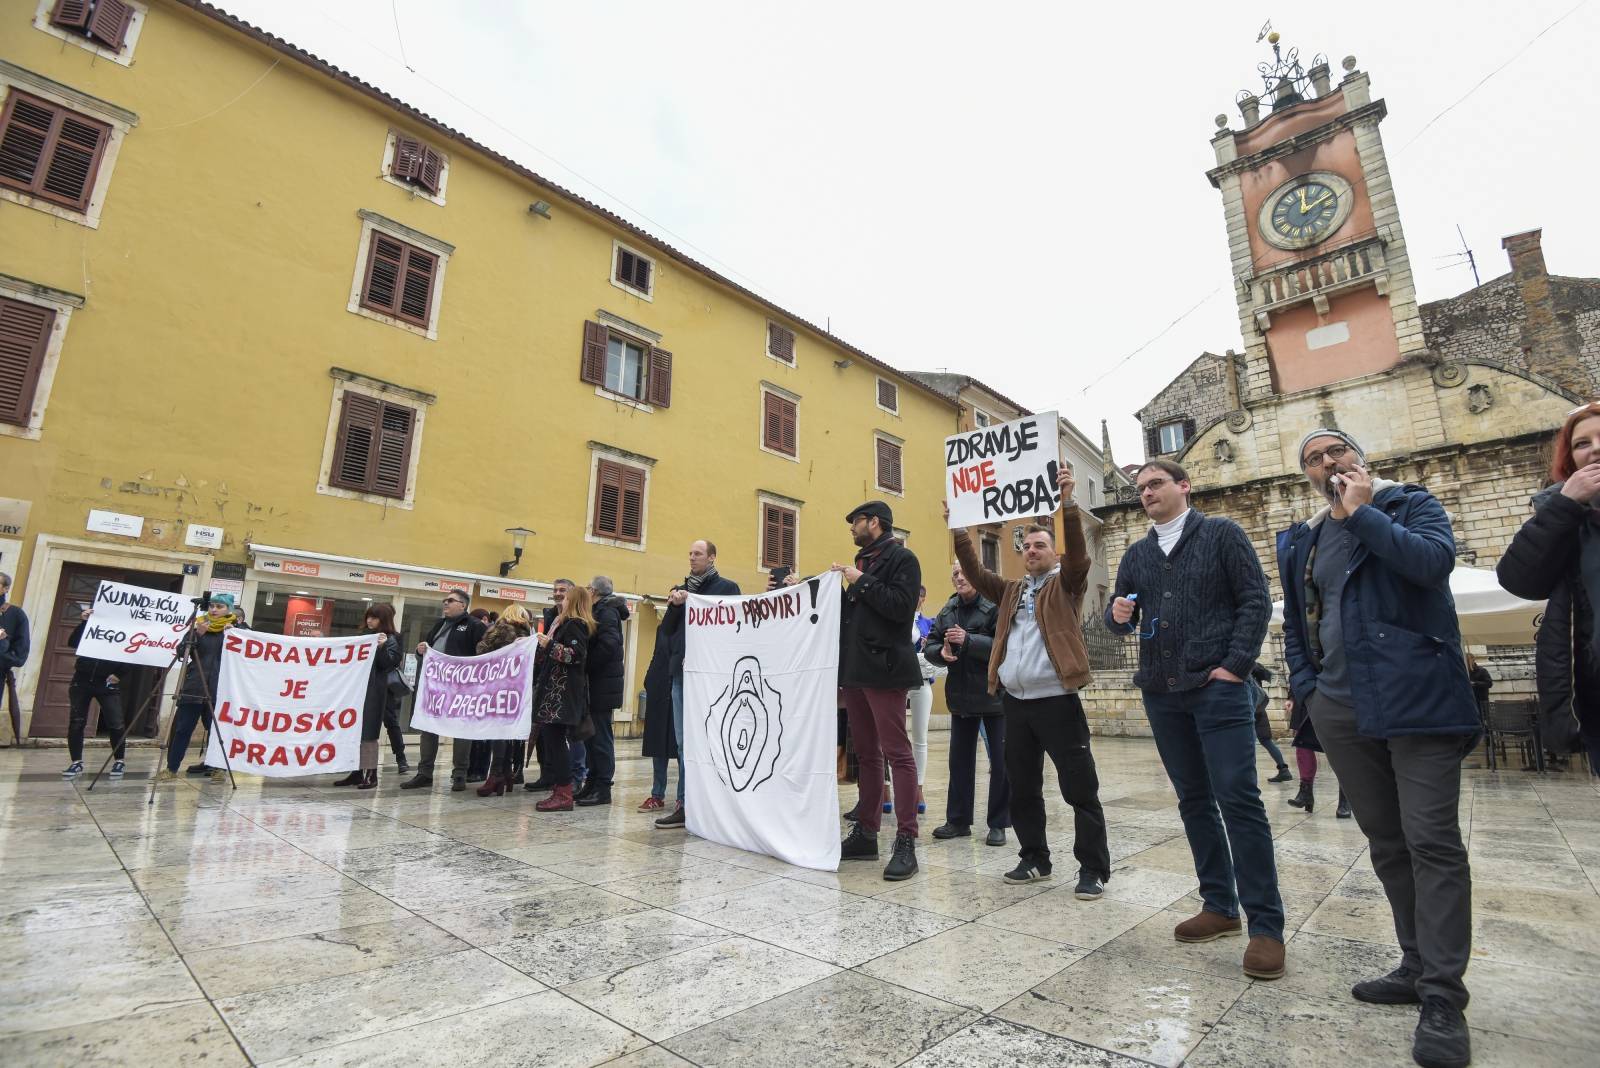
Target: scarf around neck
216, 626
693, 582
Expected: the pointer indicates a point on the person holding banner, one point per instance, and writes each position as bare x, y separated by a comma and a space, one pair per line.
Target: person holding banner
561, 690
14, 649
200, 683
877, 666
385, 662
1037, 664
93, 680
506, 755
456, 634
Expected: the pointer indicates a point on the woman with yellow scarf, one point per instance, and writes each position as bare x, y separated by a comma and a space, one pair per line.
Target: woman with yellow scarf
194, 704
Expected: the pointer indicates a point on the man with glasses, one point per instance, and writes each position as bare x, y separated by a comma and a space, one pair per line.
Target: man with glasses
455, 634
1374, 652
1194, 592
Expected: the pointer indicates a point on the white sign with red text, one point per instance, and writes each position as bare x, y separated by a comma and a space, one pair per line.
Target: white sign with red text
1004, 471
134, 625
290, 706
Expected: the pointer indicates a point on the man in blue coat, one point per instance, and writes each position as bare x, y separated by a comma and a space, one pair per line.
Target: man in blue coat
1374, 653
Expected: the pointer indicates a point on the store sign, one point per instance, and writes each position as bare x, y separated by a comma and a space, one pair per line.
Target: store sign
359, 573
129, 526
13, 516
503, 593
202, 537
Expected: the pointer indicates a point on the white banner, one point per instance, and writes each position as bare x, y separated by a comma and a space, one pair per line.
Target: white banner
1005, 471
290, 706
760, 721
133, 625
488, 696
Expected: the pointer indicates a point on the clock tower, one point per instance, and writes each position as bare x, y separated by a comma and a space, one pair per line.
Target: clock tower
1321, 274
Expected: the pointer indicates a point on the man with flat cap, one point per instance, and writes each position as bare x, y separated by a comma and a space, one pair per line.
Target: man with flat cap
877, 665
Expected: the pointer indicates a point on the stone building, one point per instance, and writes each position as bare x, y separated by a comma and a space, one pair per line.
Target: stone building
1460, 395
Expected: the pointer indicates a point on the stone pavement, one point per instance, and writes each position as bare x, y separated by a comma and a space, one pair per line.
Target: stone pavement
296, 924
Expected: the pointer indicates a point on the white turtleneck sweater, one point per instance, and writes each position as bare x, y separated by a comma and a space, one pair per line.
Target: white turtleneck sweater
1167, 533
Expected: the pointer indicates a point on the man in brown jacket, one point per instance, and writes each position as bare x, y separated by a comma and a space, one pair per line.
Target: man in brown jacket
1038, 663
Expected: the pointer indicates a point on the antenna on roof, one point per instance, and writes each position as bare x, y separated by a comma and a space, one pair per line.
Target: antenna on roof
1465, 255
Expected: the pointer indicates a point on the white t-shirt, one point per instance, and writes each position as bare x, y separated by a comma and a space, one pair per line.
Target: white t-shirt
1168, 533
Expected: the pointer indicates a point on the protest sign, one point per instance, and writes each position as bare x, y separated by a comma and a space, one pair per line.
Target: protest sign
760, 719
290, 706
488, 696
1005, 471
134, 625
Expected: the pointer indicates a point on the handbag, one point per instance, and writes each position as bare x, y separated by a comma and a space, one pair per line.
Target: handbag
585, 728
396, 683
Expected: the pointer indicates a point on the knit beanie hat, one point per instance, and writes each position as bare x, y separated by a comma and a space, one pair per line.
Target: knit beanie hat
1325, 432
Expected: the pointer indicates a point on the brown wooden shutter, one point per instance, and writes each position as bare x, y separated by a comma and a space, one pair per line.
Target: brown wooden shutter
780, 342
779, 417
771, 428
72, 14
777, 536
24, 337
632, 526
109, 23
69, 179
430, 170
659, 386
888, 395
382, 288
26, 129
356, 448
889, 466
1188, 431
607, 499
416, 294
625, 266
1152, 441
407, 161
49, 151
394, 450
592, 365
641, 274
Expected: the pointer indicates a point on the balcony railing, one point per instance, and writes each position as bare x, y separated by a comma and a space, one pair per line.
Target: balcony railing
1357, 264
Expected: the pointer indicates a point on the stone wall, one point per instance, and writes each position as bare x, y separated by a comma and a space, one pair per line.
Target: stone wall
1200, 393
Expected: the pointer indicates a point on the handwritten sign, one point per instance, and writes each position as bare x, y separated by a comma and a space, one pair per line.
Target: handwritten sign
478, 697
1005, 471
134, 625
290, 706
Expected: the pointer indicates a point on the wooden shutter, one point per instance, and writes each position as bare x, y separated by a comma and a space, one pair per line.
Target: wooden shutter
889, 466
71, 14
49, 151
633, 270
416, 294
632, 504
407, 163
430, 170
400, 280
1152, 441
109, 23
618, 501
592, 365
778, 423
356, 445
659, 384
888, 395
777, 536
394, 450
24, 337
1188, 432
780, 342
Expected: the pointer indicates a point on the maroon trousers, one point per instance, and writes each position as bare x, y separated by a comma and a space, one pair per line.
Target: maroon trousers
878, 731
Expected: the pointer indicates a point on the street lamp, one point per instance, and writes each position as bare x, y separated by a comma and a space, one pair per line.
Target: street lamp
519, 538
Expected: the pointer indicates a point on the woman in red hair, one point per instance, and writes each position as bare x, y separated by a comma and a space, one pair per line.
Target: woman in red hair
1556, 555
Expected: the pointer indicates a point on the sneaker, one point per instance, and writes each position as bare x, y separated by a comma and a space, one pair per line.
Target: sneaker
1441, 1039
859, 844
676, 818
952, 830
1284, 774
118, 769
218, 775
74, 769
652, 804
1090, 887
1028, 871
996, 837
903, 862
1399, 987
166, 775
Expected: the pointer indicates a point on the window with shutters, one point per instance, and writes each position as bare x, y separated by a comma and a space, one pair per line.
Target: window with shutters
416, 166
780, 343
1172, 436
25, 335
374, 440
49, 152
399, 275
888, 396
989, 549
622, 366
779, 531
632, 270
619, 502
780, 423
109, 28
887, 464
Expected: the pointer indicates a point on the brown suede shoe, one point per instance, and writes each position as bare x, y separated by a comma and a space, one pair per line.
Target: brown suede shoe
1263, 958
1205, 926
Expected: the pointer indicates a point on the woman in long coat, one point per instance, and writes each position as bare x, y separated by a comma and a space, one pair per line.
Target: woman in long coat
561, 690
379, 619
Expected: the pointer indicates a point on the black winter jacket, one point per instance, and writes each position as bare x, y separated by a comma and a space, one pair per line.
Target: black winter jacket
966, 687
385, 658
207, 662
561, 681
607, 680
875, 646
673, 621
465, 634
86, 670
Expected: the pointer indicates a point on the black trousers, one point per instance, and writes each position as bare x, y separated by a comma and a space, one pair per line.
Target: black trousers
602, 750
391, 724
1057, 726
110, 697
964, 769
558, 758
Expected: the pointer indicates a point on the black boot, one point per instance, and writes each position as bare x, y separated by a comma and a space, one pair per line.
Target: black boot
1284, 775
543, 782
903, 862
1343, 811
418, 782
352, 779
1305, 799
589, 787
859, 845
1441, 1039
595, 795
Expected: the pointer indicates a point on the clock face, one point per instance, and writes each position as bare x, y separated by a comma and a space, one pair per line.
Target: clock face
1305, 213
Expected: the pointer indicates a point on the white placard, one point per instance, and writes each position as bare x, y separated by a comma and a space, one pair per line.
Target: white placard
1005, 471
135, 625
760, 721
203, 537
129, 526
290, 706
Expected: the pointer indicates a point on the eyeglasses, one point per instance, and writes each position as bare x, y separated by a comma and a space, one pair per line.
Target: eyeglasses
1332, 452
1153, 484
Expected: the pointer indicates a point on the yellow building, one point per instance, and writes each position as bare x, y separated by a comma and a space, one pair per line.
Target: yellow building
266, 329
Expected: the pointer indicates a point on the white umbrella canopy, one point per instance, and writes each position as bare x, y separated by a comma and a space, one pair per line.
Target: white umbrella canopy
1489, 615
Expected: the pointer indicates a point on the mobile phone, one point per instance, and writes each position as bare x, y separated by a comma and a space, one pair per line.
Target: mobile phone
779, 574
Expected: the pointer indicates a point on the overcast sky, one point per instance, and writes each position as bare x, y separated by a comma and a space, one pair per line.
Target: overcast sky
1014, 191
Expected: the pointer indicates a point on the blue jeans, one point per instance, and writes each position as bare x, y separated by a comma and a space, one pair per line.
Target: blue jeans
578, 753
658, 777
189, 715
677, 729
1207, 742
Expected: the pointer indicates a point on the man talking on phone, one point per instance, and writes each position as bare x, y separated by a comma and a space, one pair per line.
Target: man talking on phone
1374, 655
